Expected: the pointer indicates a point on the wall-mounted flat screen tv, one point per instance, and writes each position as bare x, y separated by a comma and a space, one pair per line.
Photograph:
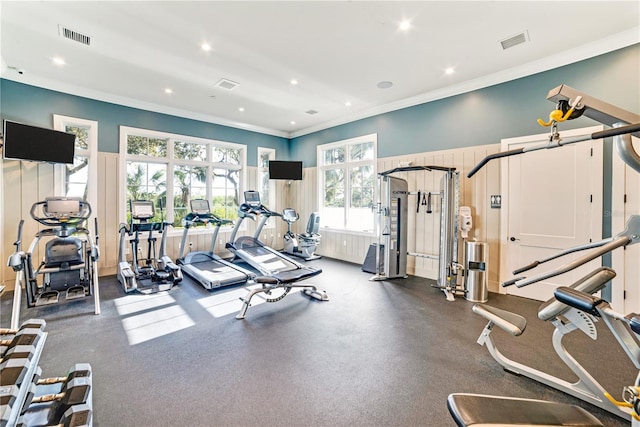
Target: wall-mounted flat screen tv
289, 170
25, 142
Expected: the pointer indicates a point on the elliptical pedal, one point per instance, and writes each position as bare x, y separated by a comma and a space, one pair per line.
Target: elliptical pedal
48, 298
76, 292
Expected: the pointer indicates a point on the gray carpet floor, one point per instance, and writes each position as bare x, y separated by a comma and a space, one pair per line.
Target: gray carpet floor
377, 354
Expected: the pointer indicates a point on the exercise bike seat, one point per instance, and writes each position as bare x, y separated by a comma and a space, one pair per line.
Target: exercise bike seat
510, 322
482, 410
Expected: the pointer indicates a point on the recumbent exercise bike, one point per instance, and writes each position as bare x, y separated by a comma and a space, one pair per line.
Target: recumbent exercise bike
302, 245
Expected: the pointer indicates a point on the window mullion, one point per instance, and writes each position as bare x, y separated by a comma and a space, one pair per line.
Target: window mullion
347, 193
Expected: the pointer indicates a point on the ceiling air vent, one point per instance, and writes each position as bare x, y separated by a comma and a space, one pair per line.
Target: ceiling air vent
311, 112
514, 40
74, 35
227, 84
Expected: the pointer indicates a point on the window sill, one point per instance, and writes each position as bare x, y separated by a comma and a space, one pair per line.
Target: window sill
347, 231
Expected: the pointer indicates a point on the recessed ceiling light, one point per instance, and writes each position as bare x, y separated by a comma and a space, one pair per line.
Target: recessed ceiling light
404, 25
292, 122
241, 109
384, 84
449, 70
168, 90
206, 47
58, 61
293, 82
347, 104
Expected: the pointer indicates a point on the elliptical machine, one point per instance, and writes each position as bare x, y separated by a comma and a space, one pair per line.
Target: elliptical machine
302, 245
70, 264
152, 273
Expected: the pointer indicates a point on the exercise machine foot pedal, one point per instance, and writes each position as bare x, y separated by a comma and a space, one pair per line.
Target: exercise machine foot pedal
76, 292
47, 298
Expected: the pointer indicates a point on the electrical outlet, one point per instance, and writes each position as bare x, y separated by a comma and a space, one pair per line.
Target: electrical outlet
278, 235
221, 242
344, 243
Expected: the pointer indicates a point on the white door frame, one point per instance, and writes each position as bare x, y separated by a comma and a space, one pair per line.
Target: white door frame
625, 184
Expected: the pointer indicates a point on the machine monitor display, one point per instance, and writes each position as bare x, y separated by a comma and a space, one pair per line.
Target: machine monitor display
25, 142
200, 206
289, 170
142, 209
61, 208
252, 198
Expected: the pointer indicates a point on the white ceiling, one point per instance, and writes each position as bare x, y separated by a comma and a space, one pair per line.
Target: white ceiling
337, 50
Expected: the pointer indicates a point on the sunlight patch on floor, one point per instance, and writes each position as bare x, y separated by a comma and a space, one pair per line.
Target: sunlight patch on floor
135, 303
146, 317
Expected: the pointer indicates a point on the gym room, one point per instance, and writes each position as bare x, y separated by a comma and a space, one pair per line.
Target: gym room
320, 213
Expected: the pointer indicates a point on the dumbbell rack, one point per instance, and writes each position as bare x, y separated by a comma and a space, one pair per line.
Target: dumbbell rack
25, 399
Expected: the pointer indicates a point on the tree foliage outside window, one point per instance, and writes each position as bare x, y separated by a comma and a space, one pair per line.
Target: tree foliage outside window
347, 180
266, 186
172, 170
76, 177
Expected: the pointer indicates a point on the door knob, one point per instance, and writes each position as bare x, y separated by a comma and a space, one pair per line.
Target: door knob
513, 239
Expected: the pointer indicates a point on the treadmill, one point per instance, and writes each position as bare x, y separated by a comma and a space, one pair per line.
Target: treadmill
251, 250
204, 267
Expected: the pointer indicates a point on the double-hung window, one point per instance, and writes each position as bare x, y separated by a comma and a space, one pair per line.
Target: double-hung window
346, 181
266, 186
79, 179
171, 170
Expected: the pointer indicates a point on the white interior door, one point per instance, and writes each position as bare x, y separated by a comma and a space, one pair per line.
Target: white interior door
552, 200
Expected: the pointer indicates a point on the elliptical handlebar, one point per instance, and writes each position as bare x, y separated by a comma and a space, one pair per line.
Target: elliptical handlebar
61, 211
18, 242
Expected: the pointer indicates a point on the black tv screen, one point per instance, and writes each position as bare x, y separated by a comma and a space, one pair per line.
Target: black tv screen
25, 142
280, 169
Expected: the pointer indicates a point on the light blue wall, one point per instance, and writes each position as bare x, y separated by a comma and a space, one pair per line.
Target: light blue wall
488, 115
36, 106
480, 117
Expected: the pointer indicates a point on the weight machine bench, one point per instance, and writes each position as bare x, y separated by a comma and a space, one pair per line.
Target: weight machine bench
483, 410
284, 280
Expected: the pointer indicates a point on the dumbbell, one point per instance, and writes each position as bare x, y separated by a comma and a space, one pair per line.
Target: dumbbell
8, 397
76, 416
75, 390
22, 345
28, 335
31, 323
17, 359
77, 371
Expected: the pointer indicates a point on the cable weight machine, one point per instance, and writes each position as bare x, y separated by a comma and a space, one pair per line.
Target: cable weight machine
392, 210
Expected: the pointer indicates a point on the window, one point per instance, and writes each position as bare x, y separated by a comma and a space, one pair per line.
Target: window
266, 186
79, 179
346, 179
171, 170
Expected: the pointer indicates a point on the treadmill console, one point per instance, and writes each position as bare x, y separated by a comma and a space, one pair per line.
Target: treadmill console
252, 198
200, 207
